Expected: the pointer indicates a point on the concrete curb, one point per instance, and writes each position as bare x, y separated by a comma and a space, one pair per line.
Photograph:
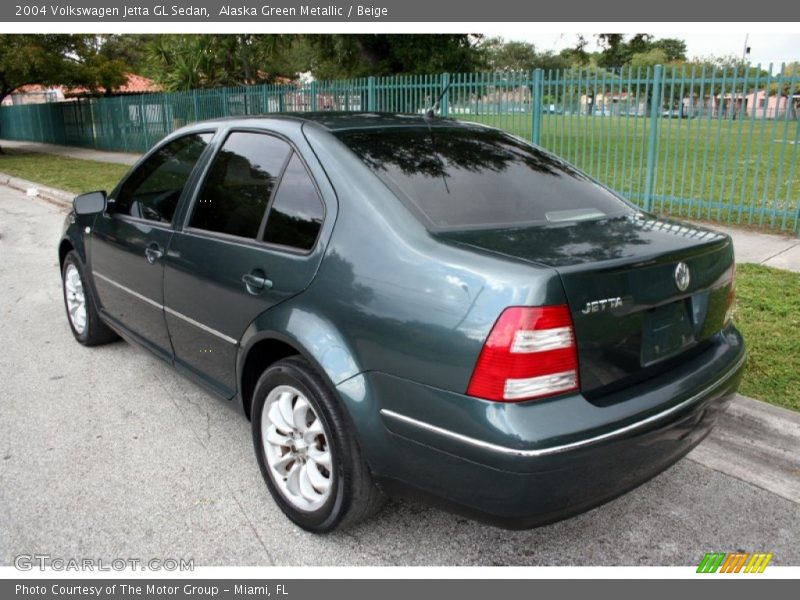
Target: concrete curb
55, 196
758, 443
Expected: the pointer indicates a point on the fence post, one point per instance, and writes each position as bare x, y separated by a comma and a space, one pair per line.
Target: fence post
313, 92
196, 108
371, 94
39, 132
444, 107
145, 123
655, 108
94, 125
536, 107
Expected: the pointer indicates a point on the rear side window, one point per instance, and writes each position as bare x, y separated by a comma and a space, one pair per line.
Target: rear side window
296, 215
469, 178
153, 189
239, 184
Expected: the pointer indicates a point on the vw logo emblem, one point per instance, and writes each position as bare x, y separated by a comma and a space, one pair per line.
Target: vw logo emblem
682, 276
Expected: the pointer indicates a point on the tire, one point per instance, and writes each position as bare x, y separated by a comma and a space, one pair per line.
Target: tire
342, 492
82, 315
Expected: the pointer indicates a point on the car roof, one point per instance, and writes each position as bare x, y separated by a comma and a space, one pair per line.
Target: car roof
344, 121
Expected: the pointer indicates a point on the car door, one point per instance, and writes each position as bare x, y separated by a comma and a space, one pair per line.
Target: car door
249, 242
130, 238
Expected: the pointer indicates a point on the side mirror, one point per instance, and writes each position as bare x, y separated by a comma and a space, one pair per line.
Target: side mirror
90, 203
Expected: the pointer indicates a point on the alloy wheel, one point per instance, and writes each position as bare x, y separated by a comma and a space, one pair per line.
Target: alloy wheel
76, 299
297, 448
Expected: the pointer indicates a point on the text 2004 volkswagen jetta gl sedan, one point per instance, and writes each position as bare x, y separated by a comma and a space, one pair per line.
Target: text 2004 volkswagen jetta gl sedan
413, 305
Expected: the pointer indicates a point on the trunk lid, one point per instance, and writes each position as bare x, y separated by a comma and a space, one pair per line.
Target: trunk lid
631, 318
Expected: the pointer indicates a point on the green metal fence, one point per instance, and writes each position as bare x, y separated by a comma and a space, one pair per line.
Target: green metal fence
711, 144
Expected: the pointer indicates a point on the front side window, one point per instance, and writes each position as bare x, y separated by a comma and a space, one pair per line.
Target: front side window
239, 184
153, 190
296, 215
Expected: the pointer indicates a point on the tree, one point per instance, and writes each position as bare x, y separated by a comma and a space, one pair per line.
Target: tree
33, 59
500, 55
615, 52
509, 56
732, 65
577, 55
340, 56
791, 79
649, 58
639, 43
184, 62
74, 60
54, 59
94, 67
673, 48
129, 48
549, 60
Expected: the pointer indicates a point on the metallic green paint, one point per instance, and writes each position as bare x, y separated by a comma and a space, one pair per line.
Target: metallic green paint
395, 315
631, 259
117, 257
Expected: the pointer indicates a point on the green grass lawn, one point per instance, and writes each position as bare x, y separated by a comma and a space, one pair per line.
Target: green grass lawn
737, 171
70, 174
768, 315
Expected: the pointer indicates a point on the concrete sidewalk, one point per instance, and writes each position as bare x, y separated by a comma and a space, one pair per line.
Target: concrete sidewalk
779, 251
122, 158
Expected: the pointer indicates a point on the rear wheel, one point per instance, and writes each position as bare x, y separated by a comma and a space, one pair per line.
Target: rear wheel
307, 453
84, 321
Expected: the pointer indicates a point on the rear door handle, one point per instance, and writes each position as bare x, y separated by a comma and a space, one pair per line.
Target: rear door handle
153, 253
256, 282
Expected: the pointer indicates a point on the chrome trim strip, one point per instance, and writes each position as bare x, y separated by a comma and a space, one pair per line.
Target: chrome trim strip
199, 325
538, 452
128, 290
171, 311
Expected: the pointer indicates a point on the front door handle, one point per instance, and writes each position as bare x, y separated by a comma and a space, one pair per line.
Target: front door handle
256, 282
153, 253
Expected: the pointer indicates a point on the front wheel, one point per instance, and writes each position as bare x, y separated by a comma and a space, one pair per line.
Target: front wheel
308, 456
84, 321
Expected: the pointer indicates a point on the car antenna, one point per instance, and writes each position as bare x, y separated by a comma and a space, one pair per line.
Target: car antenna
430, 113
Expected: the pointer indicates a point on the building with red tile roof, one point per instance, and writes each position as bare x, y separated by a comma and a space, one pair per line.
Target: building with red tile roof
38, 94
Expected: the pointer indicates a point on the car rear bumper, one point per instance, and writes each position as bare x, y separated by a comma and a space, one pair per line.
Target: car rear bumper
526, 464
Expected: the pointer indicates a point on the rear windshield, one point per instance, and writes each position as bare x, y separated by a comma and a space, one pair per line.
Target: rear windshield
479, 178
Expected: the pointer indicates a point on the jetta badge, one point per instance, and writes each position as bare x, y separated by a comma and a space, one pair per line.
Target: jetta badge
682, 276
602, 305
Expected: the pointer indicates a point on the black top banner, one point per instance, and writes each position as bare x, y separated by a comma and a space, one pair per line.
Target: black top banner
462, 11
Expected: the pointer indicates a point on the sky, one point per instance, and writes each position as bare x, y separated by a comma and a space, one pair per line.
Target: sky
764, 47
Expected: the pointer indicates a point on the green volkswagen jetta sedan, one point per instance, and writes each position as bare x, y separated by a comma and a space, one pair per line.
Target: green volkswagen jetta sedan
408, 305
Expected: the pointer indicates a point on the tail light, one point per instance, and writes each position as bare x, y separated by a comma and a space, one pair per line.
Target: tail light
530, 353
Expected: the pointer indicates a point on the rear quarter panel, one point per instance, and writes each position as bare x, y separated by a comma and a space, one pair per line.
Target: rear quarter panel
398, 299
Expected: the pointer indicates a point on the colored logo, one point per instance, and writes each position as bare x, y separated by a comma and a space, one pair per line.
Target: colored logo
737, 562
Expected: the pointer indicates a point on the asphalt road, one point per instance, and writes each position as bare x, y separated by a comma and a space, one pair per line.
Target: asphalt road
108, 453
